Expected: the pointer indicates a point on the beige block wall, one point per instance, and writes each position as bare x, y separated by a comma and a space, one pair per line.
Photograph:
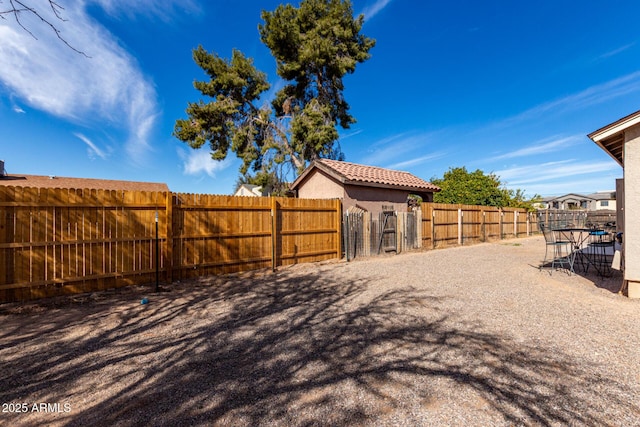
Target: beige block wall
632, 210
319, 186
372, 199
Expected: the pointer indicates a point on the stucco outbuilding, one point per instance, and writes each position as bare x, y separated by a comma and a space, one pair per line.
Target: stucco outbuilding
365, 187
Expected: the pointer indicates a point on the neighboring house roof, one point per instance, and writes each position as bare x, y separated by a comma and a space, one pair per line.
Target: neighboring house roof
371, 176
247, 189
570, 196
611, 137
600, 195
603, 195
41, 181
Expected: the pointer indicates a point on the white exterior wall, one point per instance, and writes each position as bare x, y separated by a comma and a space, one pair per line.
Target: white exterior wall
610, 206
632, 210
244, 191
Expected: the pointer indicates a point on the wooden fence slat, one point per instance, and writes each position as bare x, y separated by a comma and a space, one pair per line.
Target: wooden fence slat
451, 224
56, 241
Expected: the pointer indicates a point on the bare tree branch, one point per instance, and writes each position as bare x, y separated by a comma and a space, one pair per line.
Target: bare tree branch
18, 7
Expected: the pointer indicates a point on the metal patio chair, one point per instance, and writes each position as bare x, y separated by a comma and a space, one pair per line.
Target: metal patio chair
600, 252
557, 250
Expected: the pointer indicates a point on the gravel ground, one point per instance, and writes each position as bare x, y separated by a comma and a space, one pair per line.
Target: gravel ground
462, 336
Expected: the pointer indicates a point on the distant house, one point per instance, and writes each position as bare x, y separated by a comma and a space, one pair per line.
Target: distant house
249, 190
366, 187
567, 201
603, 200
43, 181
596, 201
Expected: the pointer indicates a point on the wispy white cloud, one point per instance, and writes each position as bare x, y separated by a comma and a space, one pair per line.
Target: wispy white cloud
373, 9
553, 171
615, 51
398, 146
108, 89
417, 161
270, 95
547, 145
561, 177
350, 134
197, 162
585, 186
405, 151
166, 10
593, 95
93, 149
18, 110
382, 151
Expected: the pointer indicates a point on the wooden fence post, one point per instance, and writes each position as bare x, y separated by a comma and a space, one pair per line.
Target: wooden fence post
274, 232
500, 215
338, 206
168, 252
484, 226
460, 226
515, 224
433, 229
418, 217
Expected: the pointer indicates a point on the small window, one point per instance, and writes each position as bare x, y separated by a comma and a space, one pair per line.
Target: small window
604, 203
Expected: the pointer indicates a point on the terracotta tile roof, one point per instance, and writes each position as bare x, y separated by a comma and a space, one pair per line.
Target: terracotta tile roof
40, 181
352, 173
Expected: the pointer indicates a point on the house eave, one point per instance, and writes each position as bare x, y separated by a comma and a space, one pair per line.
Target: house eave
391, 186
611, 137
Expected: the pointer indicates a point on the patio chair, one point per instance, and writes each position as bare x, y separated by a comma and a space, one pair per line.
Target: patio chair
557, 250
600, 252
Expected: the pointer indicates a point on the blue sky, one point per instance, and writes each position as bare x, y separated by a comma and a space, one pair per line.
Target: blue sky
507, 87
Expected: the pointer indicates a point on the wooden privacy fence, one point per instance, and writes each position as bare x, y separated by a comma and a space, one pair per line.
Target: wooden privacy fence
64, 241
60, 241
450, 224
435, 225
224, 234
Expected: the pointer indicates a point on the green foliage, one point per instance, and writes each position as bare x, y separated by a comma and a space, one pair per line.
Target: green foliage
315, 46
517, 200
475, 188
228, 121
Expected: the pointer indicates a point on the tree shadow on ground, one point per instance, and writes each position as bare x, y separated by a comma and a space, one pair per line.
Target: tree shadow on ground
289, 350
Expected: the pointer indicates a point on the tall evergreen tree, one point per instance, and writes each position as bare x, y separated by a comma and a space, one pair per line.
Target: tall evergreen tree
315, 45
